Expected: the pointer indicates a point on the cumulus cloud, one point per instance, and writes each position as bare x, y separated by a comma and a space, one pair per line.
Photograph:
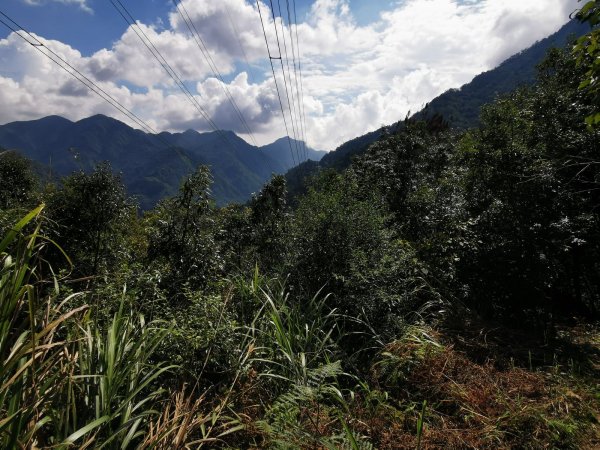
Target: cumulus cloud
416, 51
355, 78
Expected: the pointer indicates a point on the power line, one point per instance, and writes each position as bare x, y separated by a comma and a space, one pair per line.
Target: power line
287, 93
128, 18
292, 105
284, 78
298, 103
75, 73
126, 15
302, 110
204, 50
171, 72
271, 58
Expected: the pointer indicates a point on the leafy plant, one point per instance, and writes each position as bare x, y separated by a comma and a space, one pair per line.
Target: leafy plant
111, 387
587, 52
31, 353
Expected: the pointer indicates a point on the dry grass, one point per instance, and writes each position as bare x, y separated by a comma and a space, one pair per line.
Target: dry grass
478, 404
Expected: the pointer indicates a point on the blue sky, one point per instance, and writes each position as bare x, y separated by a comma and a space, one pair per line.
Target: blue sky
366, 62
69, 22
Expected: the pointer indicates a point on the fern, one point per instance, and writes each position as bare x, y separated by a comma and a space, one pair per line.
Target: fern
308, 414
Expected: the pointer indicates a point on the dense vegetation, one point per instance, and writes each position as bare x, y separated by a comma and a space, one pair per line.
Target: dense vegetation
423, 297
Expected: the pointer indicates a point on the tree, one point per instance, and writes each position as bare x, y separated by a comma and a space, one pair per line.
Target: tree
587, 52
268, 222
341, 242
90, 212
532, 183
182, 235
18, 182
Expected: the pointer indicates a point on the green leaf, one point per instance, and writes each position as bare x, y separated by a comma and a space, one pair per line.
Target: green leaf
85, 430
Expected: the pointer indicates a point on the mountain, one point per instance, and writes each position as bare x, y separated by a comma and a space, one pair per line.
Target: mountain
459, 107
152, 165
280, 150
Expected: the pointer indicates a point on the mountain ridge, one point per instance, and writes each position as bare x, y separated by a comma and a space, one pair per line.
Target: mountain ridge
152, 166
459, 107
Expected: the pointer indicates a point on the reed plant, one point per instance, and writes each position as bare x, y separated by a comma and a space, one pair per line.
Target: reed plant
32, 353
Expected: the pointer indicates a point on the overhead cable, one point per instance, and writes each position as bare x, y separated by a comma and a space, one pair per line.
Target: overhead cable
287, 93
295, 99
126, 15
271, 58
302, 110
207, 56
75, 73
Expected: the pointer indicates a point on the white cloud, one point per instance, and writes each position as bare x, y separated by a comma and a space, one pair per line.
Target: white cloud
418, 50
356, 78
82, 4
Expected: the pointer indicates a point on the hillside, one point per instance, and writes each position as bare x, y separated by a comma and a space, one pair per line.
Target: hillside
459, 107
442, 292
152, 166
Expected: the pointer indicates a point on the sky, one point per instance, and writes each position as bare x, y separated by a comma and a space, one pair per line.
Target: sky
359, 64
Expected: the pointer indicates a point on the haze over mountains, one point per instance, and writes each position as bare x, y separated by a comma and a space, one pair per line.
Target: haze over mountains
152, 166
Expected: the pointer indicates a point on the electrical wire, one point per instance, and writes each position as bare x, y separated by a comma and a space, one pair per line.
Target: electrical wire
295, 101
287, 93
126, 15
204, 50
75, 73
271, 58
302, 110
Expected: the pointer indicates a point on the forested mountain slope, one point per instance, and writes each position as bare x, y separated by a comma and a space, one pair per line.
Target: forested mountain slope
442, 292
460, 108
152, 165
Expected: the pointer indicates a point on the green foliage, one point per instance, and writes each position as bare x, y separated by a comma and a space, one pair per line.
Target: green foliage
296, 418
342, 243
346, 290
19, 183
110, 383
295, 338
68, 379
330, 224
28, 350
182, 235
587, 52
269, 224
532, 178
234, 238
89, 216
297, 345
204, 337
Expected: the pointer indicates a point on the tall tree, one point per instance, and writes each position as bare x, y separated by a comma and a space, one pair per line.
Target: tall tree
18, 182
90, 212
182, 234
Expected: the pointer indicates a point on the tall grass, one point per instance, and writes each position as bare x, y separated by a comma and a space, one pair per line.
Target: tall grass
67, 380
297, 349
110, 390
31, 354
295, 337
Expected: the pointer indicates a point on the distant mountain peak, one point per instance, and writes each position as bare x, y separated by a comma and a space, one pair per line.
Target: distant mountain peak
150, 169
